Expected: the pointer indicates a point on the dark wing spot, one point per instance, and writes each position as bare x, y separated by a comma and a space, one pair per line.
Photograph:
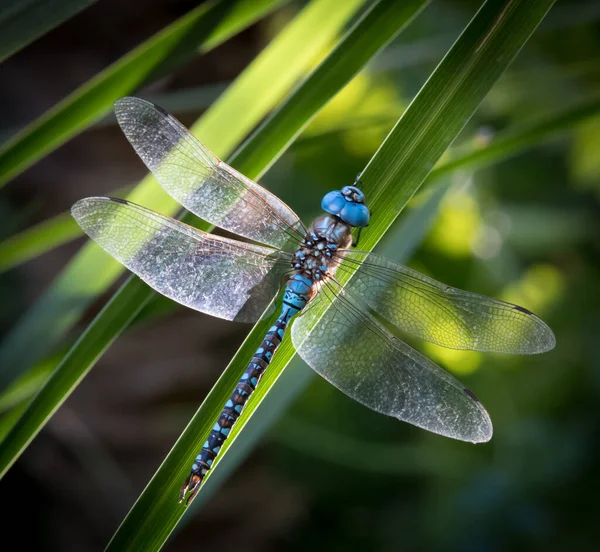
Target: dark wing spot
471, 394
160, 109
119, 200
522, 309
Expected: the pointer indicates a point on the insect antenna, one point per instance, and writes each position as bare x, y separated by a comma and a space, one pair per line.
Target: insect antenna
357, 181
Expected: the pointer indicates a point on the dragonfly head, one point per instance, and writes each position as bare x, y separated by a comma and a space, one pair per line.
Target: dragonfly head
348, 204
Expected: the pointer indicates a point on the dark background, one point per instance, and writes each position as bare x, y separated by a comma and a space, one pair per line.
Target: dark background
330, 474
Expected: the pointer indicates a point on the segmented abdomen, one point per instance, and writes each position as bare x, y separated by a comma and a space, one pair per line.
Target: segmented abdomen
234, 406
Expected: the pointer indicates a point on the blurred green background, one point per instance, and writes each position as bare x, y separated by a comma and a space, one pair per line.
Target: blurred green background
330, 474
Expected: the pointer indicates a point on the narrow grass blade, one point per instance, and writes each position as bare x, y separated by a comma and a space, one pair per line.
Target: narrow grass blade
397, 170
37, 240
22, 21
428, 127
519, 139
201, 29
248, 100
9, 418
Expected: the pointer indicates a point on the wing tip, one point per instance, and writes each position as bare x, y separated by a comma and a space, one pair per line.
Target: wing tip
485, 429
128, 100
479, 432
550, 340
126, 107
543, 338
81, 204
484, 438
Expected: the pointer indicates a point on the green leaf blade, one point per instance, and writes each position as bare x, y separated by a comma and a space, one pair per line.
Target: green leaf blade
203, 28
379, 26
444, 105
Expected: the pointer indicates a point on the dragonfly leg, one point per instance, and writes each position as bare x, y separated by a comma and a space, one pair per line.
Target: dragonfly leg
357, 181
355, 242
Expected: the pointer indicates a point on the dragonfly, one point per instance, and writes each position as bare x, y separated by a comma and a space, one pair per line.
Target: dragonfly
346, 332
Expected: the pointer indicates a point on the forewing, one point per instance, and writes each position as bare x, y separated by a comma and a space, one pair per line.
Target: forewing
215, 275
351, 350
442, 314
201, 182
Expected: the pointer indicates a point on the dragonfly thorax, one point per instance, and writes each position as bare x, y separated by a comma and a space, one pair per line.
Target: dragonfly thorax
318, 254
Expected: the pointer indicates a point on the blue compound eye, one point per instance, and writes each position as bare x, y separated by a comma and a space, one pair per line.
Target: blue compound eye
352, 193
355, 214
333, 202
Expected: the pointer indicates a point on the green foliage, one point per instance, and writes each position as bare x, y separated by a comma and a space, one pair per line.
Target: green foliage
200, 30
410, 156
484, 39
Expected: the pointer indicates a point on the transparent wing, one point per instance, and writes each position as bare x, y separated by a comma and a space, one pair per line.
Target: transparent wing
221, 277
201, 182
351, 350
442, 314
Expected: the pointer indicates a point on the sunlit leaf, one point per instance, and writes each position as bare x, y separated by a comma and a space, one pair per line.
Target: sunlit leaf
202, 29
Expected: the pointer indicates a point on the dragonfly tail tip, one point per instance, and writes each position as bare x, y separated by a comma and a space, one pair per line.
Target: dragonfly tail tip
191, 486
